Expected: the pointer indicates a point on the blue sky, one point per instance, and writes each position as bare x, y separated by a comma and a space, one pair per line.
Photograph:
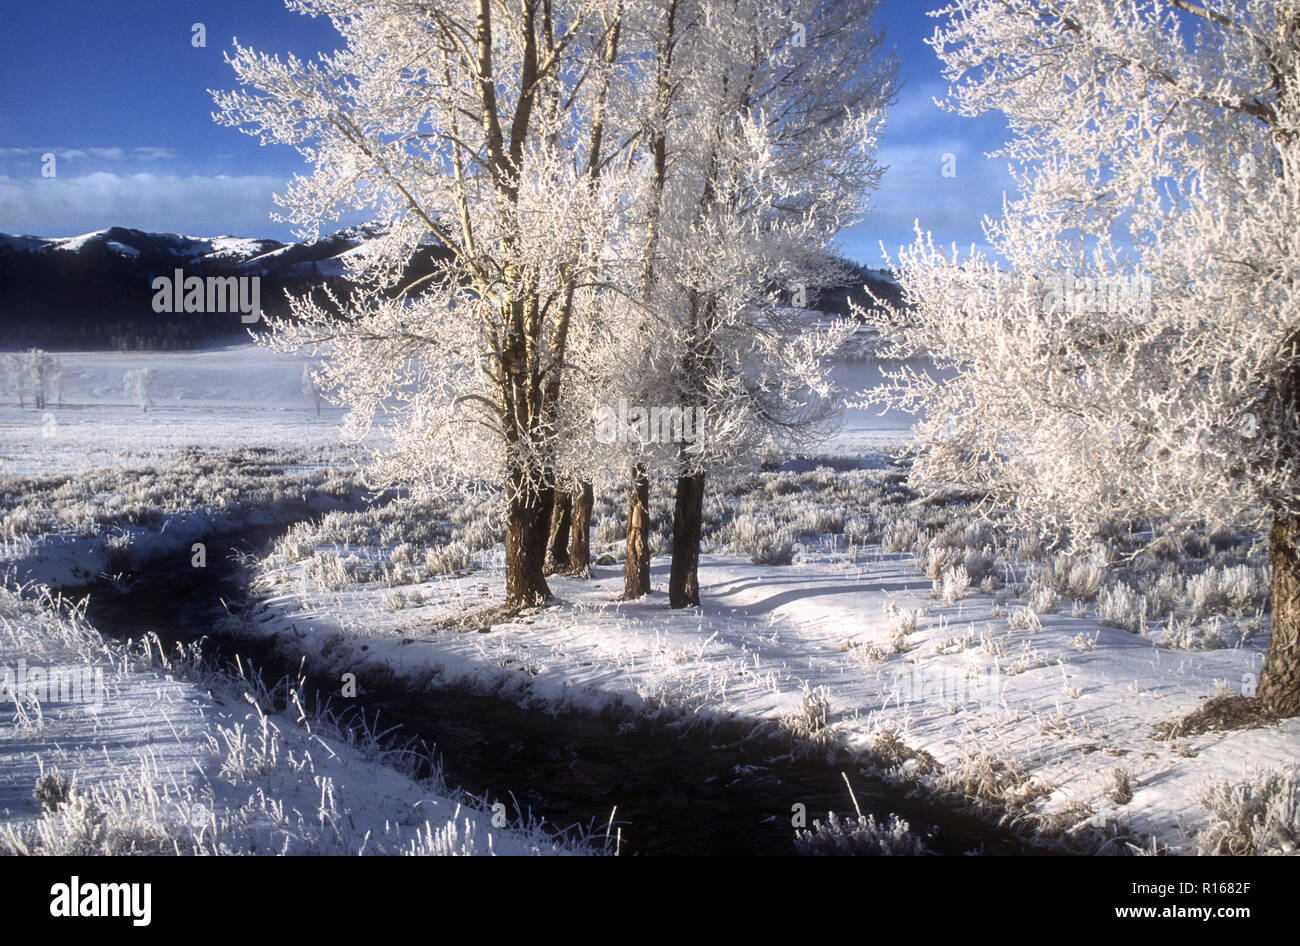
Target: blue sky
117, 91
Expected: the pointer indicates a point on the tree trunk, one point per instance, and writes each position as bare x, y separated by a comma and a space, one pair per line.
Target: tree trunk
526, 534
557, 550
636, 569
543, 536
688, 518
1279, 682
580, 532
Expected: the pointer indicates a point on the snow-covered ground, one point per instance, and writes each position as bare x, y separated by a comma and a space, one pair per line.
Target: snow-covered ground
238, 395
1054, 710
1065, 700
140, 755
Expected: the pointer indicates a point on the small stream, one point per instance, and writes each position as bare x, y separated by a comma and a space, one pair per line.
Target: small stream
701, 792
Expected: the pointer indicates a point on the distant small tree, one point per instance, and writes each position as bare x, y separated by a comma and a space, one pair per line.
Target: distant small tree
16, 377
138, 384
309, 386
39, 371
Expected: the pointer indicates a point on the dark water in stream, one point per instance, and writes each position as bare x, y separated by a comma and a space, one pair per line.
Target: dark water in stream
698, 792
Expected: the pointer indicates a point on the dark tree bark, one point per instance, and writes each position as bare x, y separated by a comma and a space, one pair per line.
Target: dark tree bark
580, 531
527, 529
543, 537
1279, 683
688, 519
557, 549
636, 569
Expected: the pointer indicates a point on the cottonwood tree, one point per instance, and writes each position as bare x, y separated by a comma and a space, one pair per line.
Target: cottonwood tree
40, 371
493, 127
1136, 353
137, 384
762, 131
16, 377
310, 389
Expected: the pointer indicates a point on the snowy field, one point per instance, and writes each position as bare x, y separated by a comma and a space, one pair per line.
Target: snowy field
222, 398
1042, 713
154, 756
837, 607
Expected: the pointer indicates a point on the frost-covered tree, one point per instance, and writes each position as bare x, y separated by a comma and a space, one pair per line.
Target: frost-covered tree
39, 372
1136, 353
138, 386
310, 389
490, 128
16, 377
762, 122
790, 161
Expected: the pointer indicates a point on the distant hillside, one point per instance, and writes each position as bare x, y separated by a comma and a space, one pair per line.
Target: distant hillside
95, 291
836, 299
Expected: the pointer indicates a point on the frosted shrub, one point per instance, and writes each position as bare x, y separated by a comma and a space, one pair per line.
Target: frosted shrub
995, 779
1121, 790
340, 528
476, 534
1257, 816
818, 520
402, 554
1187, 635
1043, 599
782, 484
1120, 606
40, 624
1024, 619
900, 621
978, 564
327, 570
293, 546
1166, 595
1245, 587
939, 559
813, 715
22, 522
448, 559
861, 530
869, 655
1077, 578
1082, 643
773, 550
901, 535
396, 601
861, 836
606, 529
1236, 590
52, 789
954, 584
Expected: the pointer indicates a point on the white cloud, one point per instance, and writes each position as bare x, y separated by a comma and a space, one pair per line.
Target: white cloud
149, 153
64, 206
72, 154
23, 161
915, 188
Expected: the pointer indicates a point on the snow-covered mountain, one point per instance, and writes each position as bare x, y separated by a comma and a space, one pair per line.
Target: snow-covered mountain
95, 289
249, 254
